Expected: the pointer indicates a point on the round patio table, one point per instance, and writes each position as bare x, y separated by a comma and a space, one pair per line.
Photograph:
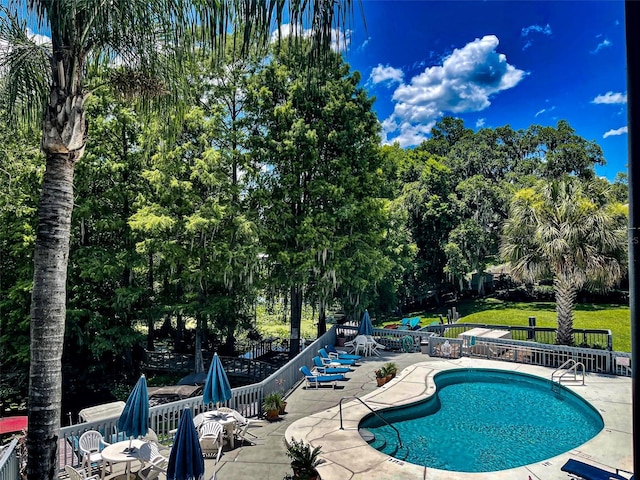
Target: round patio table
119, 453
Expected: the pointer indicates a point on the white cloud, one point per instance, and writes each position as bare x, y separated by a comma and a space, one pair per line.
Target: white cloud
364, 44
386, 74
409, 134
340, 41
37, 38
545, 110
546, 30
605, 43
618, 131
611, 98
463, 83
480, 123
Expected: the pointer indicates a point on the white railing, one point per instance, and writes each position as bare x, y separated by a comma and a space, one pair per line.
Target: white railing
621, 363
594, 360
9, 462
164, 418
248, 399
519, 351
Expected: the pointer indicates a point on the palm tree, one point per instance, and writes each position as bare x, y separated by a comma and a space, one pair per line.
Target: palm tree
143, 43
566, 230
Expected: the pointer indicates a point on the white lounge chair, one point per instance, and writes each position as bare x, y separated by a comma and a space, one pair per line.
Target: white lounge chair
314, 379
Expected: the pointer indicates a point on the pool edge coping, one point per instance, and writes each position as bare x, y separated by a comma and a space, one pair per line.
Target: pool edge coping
349, 456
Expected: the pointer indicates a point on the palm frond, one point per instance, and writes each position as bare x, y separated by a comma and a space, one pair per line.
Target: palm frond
24, 68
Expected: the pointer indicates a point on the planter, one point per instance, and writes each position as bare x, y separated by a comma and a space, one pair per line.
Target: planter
381, 381
389, 377
304, 474
272, 415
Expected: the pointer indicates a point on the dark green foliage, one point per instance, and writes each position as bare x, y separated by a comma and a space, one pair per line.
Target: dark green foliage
317, 194
20, 179
304, 458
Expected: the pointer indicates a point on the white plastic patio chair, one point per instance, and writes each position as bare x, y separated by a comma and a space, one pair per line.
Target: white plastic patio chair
358, 345
374, 346
89, 445
242, 426
153, 462
211, 439
198, 420
75, 474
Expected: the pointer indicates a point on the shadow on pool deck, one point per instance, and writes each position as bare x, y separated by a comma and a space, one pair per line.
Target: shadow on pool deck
267, 459
312, 415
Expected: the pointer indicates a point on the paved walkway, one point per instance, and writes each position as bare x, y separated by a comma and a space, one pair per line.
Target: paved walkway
267, 459
312, 415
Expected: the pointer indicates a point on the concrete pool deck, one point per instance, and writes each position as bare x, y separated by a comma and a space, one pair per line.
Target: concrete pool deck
348, 457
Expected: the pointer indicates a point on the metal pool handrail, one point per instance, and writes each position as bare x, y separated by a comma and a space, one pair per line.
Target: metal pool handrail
372, 411
569, 366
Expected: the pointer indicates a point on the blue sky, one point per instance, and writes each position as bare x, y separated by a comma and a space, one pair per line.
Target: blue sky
494, 63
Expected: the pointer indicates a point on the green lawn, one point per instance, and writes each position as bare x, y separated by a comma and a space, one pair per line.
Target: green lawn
491, 311
270, 322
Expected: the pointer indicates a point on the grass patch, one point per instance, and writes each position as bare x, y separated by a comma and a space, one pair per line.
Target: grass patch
497, 312
270, 323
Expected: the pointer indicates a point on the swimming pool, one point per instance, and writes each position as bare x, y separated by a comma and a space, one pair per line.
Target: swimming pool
483, 420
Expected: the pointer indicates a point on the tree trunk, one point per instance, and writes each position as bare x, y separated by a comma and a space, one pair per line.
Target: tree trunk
285, 305
48, 314
322, 318
565, 299
296, 320
199, 361
64, 136
150, 300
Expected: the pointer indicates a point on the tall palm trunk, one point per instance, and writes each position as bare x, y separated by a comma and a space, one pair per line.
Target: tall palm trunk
566, 293
48, 313
63, 141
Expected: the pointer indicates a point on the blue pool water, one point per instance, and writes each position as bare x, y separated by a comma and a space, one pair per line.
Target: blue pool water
483, 420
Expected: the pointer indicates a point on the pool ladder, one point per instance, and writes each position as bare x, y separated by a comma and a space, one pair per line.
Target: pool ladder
372, 411
570, 368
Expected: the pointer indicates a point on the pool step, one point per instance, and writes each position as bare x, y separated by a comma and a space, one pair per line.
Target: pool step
379, 441
376, 441
401, 453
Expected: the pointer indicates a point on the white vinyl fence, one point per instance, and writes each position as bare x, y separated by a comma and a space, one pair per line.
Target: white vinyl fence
248, 399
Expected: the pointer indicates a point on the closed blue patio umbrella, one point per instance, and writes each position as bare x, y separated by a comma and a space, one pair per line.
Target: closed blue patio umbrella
135, 416
185, 459
366, 327
217, 388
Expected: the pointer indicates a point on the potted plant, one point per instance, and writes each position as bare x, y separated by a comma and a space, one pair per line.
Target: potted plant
381, 377
283, 403
271, 406
390, 369
304, 459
